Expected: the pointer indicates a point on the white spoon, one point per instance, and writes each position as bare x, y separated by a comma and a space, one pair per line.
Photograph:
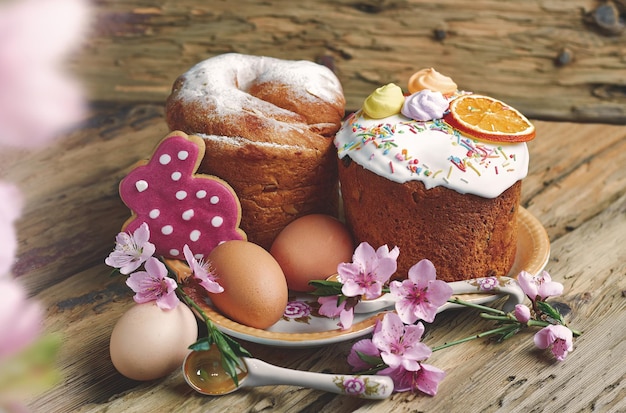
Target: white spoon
204, 373
475, 291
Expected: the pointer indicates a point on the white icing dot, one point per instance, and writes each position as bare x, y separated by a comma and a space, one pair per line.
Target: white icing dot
215, 199
176, 176
182, 155
194, 235
180, 195
165, 159
167, 230
174, 252
141, 185
199, 256
217, 221
154, 214
188, 214
201, 194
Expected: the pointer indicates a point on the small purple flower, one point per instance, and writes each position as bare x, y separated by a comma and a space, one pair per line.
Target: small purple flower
539, 287
297, 309
354, 386
154, 285
522, 313
488, 284
201, 271
131, 250
420, 296
368, 271
558, 337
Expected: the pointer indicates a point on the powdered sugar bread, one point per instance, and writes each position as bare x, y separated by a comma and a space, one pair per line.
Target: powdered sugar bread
268, 125
180, 206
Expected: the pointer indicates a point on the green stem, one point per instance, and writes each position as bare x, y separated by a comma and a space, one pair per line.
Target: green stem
477, 306
195, 306
503, 319
499, 330
229, 360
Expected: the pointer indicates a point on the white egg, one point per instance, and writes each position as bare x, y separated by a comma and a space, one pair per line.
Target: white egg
148, 343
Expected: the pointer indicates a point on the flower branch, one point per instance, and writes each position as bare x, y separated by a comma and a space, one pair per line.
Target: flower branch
159, 283
395, 348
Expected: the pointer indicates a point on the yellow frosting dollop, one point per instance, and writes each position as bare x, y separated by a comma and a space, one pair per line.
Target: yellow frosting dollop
432, 80
384, 101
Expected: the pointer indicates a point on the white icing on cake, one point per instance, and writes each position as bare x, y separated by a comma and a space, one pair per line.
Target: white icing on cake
401, 149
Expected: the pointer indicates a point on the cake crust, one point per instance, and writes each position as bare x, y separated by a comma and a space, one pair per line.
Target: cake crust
465, 236
268, 126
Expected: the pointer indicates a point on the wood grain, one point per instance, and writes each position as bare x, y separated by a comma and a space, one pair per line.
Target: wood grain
576, 187
78, 195
506, 49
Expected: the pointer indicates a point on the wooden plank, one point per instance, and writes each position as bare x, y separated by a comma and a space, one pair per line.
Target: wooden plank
78, 194
527, 379
504, 49
72, 209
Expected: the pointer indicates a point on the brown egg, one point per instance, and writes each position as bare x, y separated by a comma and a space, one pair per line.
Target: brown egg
255, 289
310, 248
148, 343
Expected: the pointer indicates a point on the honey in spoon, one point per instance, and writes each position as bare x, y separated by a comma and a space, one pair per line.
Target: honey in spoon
204, 372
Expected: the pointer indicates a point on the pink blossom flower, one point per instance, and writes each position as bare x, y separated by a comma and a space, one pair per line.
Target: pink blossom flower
368, 272
10, 208
201, 271
559, 337
420, 296
400, 344
331, 308
522, 313
131, 250
365, 347
39, 99
20, 318
154, 284
425, 379
539, 287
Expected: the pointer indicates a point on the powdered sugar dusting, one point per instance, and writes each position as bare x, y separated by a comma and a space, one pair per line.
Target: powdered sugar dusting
229, 77
240, 142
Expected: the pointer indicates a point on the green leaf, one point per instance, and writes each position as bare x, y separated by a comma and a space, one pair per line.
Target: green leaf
203, 344
509, 334
325, 288
371, 360
236, 347
229, 360
550, 311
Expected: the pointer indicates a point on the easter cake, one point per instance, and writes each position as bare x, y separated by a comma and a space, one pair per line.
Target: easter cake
268, 126
436, 172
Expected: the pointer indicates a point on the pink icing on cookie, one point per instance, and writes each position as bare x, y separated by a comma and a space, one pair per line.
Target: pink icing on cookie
179, 206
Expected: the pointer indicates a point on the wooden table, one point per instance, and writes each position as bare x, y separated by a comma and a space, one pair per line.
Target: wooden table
576, 187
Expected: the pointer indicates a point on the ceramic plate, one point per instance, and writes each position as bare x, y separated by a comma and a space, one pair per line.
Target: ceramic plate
301, 326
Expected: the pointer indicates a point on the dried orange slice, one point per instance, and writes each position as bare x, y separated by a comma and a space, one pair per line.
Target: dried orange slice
489, 119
